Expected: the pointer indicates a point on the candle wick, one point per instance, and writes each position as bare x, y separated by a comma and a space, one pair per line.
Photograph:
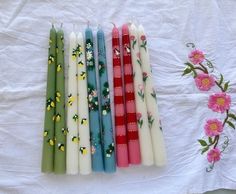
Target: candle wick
88, 23
73, 27
113, 24
61, 25
99, 26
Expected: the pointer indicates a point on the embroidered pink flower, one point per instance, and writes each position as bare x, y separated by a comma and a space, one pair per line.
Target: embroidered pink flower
219, 102
204, 81
213, 155
196, 57
213, 127
143, 37
132, 37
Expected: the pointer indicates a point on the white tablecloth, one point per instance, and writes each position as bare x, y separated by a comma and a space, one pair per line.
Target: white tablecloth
24, 28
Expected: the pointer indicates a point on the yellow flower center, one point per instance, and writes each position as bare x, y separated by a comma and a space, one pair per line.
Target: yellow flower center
196, 56
205, 81
213, 127
220, 101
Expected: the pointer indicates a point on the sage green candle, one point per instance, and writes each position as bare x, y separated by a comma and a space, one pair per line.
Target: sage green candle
48, 134
60, 132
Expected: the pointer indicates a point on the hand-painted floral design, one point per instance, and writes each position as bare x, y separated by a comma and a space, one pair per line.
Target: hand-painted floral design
106, 108
139, 119
219, 102
50, 104
105, 91
92, 98
139, 59
145, 76
141, 91
101, 67
213, 155
205, 77
196, 57
150, 119
110, 150
133, 40
153, 94
143, 42
213, 127
204, 81
89, 55
75, 117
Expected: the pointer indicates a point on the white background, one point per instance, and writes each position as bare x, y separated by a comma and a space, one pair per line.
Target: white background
170, 24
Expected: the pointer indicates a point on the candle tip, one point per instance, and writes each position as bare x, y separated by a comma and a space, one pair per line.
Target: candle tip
113, 24
88, 23
99, 26
61, 25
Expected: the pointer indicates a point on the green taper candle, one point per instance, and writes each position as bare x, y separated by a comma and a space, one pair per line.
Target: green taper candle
60, 132
48, 134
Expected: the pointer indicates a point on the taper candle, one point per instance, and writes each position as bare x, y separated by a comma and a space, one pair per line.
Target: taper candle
72, 154
84, 142
150, 96
108, 141
94, 119
60, 135
48, 139
131, 120
119, 108
142, 118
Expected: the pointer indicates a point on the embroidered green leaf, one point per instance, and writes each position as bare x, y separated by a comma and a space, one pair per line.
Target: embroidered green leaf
231, 124
226, 86
210, 140
233, 116
202, 142
187, 71
205, 149
221, 79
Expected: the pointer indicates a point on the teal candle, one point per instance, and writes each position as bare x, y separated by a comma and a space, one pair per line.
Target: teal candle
48, 140
106, 121
94, 119
60, 135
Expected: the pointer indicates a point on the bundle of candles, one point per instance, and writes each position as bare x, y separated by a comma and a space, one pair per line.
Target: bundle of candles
78, 132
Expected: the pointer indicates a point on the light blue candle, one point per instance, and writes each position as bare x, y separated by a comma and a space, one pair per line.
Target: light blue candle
94, 118
107, 131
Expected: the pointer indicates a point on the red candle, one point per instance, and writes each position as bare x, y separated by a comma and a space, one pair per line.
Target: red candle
131, 121
120, 127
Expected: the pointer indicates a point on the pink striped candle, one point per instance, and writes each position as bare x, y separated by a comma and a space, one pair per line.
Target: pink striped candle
120, 127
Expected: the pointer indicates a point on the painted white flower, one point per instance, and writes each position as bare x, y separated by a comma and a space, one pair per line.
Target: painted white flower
88, 46
89, 55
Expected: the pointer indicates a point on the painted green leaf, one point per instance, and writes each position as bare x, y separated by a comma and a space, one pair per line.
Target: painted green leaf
231, 124
202, 142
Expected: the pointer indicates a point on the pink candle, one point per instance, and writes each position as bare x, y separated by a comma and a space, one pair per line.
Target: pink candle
131, 121
120, 127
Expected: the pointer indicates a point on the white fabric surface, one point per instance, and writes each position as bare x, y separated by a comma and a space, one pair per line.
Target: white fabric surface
24, 28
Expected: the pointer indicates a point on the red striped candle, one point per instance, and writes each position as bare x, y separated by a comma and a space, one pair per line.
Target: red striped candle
131, 121
120, 127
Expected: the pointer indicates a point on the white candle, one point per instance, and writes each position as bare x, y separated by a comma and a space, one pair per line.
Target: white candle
141, 109
84, 134
150, 96
72, 154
